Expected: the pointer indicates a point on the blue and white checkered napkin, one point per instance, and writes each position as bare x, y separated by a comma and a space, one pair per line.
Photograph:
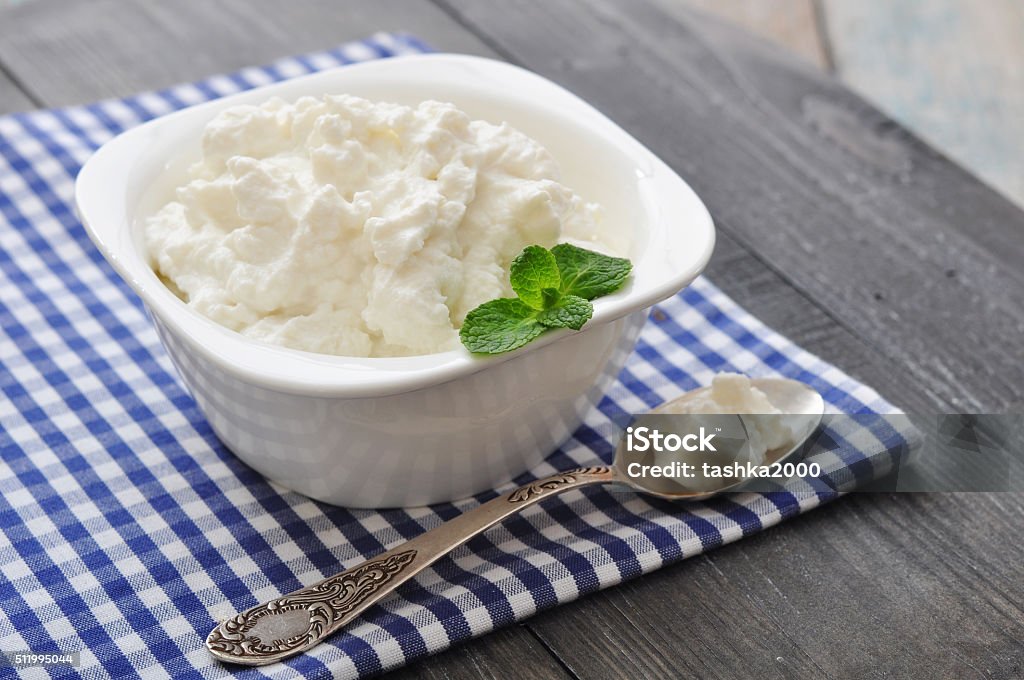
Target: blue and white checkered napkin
128, 530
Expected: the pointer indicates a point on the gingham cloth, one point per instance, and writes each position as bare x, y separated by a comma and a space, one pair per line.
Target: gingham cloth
128, 530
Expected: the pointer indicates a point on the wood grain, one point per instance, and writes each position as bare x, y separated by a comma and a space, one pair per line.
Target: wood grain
511, 652
948, 69
12, 96
73, 51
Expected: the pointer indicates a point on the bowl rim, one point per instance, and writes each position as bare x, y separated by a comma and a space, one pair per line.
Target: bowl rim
103, 195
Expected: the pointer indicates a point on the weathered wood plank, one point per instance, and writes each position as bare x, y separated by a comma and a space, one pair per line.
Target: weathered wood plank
509, 653
12, 96
948, 69
74, 52
873, 586
794, 24
906, 250
747, 279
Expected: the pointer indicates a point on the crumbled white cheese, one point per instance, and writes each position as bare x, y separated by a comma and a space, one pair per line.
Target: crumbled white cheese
732, 393
350, 227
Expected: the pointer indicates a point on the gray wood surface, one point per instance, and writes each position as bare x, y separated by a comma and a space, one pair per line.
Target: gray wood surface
13, 96
837, 227
71, 51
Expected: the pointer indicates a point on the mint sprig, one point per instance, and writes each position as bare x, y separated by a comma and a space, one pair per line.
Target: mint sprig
554, 289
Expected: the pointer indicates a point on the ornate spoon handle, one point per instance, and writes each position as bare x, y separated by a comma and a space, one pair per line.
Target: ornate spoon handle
295, 622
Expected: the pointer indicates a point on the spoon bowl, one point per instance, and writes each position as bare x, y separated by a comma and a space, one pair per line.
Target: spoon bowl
800, 406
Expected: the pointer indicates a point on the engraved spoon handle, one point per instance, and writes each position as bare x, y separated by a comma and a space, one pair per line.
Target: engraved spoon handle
293, 623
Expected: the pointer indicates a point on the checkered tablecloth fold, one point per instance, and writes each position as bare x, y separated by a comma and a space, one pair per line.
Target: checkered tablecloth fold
127, 530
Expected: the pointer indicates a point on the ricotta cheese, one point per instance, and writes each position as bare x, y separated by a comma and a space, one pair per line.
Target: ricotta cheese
344, 226
732, 393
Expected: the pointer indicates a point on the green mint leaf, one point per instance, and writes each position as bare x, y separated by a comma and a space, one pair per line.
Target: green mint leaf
589, 274
500, 326
572, 311
533, 271
554, 288
551, 297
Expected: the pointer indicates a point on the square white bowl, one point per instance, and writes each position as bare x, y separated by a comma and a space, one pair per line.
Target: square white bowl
382, 432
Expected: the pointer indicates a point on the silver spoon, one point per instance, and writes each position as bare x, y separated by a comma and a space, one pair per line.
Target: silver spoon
293, 623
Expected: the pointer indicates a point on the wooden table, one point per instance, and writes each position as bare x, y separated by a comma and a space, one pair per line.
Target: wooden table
836, 227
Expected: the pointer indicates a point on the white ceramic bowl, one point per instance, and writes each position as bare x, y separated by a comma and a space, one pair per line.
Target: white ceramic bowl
413, 430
